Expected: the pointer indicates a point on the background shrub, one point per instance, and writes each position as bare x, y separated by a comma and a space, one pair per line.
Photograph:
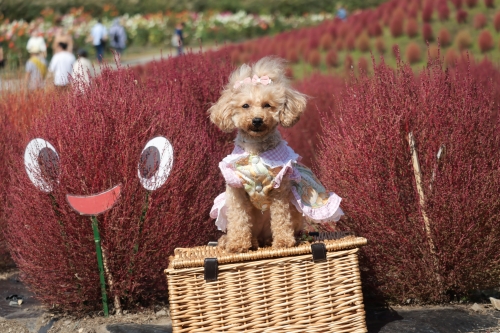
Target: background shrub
457, 3
461, 16
496, 21
348, 62
444, 37
332, 58
380, 45
396, 25
362, 65
413, 53
471, 3
375, 30
364, 156
450, 57
433, 53
99, 137
443, 11
427, 32
364, 42
489, 3
326, 41
463, 40
485, 41
304, 136
314, 58
411, 27
427, 11
350, 41
480, 21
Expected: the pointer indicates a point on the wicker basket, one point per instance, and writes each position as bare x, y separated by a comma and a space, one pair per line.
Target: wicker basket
268, 290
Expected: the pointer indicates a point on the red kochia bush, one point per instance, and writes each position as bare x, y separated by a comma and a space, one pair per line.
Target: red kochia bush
496, 21
396, 25
9, 139
380, 45
365, 157
461, 16
427, 11
444, 37
485, 41
413, 53
489, 3
450, 57
99, 137
480, 21
427, 32
304, 136
314, 58
326, 41
411, 27
471, 3
332, 58
443, 11
17, 112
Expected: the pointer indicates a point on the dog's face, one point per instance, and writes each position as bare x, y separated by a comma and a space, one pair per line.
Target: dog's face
257, 109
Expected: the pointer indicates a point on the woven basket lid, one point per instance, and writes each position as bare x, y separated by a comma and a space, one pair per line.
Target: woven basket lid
195, 257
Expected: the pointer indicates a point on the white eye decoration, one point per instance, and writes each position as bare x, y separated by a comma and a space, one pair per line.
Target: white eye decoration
42, 164
155, 163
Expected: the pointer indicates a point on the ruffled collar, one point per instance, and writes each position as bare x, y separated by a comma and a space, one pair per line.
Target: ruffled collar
278, 156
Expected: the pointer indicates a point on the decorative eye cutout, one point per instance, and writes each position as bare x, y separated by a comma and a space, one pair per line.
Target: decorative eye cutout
42, 164
155, 163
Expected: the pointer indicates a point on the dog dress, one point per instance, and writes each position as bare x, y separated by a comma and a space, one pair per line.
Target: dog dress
260, 174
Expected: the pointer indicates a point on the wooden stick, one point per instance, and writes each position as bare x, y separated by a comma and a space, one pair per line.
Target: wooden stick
418, 178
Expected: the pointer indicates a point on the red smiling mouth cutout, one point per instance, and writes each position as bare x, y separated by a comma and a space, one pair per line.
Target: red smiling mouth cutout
94, 204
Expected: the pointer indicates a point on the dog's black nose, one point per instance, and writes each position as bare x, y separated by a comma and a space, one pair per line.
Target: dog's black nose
257, 122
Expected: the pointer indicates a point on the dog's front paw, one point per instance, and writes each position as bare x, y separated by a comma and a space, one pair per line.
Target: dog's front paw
283, 242
236, 247
222, 241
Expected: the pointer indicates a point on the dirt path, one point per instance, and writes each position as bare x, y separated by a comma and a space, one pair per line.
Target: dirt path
32, 317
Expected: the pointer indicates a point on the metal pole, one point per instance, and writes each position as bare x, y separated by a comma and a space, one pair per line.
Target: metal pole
98, 251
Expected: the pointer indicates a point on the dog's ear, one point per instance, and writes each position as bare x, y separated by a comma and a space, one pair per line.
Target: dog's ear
221, 113
294, 107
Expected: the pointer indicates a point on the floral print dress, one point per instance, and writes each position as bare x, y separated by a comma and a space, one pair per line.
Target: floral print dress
260, 174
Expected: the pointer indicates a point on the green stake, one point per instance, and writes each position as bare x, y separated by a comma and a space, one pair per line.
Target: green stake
97, 239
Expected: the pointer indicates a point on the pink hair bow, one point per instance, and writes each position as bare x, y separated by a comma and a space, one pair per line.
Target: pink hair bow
264, 80
242, 82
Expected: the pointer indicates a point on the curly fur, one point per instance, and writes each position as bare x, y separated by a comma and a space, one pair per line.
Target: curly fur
276, 104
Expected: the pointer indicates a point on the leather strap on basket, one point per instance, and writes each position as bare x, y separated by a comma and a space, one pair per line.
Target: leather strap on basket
211, 269
318, 251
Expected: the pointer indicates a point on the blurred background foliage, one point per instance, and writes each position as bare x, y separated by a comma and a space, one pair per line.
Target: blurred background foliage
30, 9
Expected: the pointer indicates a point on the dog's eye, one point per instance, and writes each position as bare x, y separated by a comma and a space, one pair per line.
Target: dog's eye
245, 106
267, 105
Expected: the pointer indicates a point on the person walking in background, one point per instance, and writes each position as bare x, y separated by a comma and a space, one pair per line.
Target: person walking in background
62, 36
36, 66
61, 67
178, 38
99, 35
341, 12
82, 70
117, 36
36, 38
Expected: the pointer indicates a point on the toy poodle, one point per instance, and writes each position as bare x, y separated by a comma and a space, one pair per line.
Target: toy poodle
268, 192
